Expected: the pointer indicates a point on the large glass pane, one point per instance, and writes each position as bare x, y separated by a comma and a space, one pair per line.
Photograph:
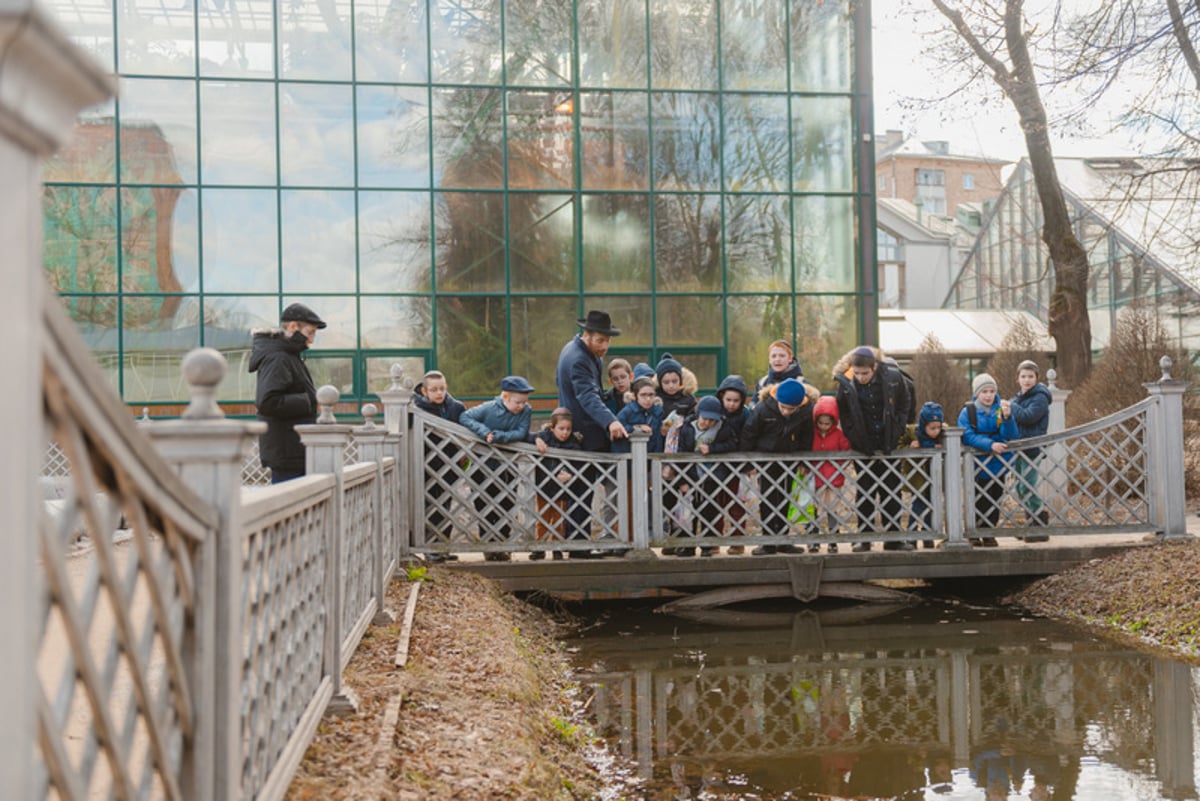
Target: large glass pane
616, 243
90, 154
758, 253
465, 41
469, 241
824, 241
379, 370
238, 39
827, 327
228, 322
79, 248
822, 46
335, 369
468, 134
96, 319
156, 38
158, 241
537, 43
318, 241
687, 243
688, 320
393, 242
237, 135
393, 136
756, 143
541, 243
540, 140
389, 40
754, 322
687, 141
314, 40
612, 43
754, 44
633, 314
683, 44
822, 144
158, 131
89, 25
316, 127
341, 315
615, 140
540, 328
153, 346
241, 240
396, 322
472, 344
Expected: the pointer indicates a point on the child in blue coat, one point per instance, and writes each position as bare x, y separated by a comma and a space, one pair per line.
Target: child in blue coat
1031, 410
987, 426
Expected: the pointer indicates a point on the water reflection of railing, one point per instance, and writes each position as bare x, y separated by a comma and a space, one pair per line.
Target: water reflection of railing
860, 689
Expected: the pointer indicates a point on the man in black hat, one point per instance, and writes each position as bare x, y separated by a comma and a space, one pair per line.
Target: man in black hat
580, 367
285, 395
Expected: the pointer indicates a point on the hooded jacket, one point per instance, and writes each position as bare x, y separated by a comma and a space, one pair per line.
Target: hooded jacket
769, 431
834, 440
729, 437
989, 426
285, 397
1031, 410
871, 436
915, 432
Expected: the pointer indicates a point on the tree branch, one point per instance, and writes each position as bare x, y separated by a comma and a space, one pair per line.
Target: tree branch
1000, 73
1185, 44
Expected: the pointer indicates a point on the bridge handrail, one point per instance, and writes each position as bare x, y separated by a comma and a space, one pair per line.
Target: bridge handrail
1083, 429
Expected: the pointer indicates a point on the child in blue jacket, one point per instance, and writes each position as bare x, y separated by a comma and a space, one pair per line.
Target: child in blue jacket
987, 426
1031, 410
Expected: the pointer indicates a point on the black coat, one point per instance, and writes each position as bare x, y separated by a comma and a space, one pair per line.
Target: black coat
768, 431
285, 397
896, 410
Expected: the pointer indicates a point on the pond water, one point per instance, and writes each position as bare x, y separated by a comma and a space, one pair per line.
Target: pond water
945, 700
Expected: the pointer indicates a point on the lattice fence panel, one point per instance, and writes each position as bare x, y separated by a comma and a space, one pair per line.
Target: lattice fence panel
253, 472
358, 548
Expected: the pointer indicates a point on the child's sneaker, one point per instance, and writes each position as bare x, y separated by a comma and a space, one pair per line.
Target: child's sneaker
832, 548
708, 550
735, 550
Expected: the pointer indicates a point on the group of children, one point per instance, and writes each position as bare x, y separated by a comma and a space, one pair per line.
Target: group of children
784, 414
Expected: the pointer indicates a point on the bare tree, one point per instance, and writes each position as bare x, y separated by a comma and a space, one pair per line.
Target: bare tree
1068, 319
938, 377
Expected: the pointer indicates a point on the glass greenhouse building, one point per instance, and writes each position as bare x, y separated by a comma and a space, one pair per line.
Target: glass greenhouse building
452, 184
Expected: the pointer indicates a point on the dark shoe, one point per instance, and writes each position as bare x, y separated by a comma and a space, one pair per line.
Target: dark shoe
814, 548
735, 550
584, 555
557, 556
441, 557
669, 551
708, 550
763, 550
617, 554
861, 547
503, 556
978, 543
928, 544
1043, 517
832, 548
787, 547
990, 542
897, 546
1039, 538
537, 556
685, 552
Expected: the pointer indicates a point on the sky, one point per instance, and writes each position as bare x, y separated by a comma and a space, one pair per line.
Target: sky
905, 69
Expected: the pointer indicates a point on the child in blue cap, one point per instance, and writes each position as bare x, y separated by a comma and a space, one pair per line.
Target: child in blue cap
925, 433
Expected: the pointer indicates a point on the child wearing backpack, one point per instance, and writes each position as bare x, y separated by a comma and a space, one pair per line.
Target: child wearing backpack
988, 425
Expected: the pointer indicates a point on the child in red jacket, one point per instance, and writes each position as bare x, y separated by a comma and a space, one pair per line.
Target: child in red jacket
828, 477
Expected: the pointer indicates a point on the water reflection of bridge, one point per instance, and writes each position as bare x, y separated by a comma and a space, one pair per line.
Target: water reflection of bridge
925, 694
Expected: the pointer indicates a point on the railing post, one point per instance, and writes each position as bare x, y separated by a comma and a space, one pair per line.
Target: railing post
953, 473
397, 406
371, 448
206, 451
325, 444
639, 499
1166, 438
1053, 478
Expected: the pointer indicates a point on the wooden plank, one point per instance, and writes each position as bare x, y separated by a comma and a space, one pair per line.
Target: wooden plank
410, 611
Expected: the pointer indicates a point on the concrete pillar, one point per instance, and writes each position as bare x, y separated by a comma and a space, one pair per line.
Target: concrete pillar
1166, 463
397, 408
639, 499
1053, 478
953, 473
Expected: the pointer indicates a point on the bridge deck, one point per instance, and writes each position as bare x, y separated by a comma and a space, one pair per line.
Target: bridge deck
667, 575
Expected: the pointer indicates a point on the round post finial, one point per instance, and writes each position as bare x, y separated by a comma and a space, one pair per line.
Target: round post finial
145, 414
203, 369
369, 411
396, 372
327, 398
1165, 364
1052, 378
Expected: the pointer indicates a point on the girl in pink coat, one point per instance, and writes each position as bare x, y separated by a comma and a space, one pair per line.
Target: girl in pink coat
829, 477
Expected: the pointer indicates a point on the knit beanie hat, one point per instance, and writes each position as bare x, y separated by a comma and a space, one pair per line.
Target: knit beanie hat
1029, 364
790, 392
668, 365
642, 370
982, 381
710, 408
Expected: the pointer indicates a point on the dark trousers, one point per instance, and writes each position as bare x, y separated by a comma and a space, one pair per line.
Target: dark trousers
774, 490
279, 476
500, 485
579, 503
875, 482
988, 492
438, 524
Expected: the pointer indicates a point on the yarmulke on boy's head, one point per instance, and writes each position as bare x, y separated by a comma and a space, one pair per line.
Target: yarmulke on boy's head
709, 408
515, 383
790, 392
982, 382
1030, 365
667, 365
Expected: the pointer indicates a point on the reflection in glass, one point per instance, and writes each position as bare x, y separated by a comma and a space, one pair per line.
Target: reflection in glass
379, 370
756, 143
615, 140
689, 320
393, 242
824, 244
758, 254
341, 314
314, 40
537, 43
541, 243
469, 241
465, 41
472, 336
238, 39
158, 131
822, 144
335, 370
241, 239
228, 322
90, 154
687, 141
754, 321
822, 47
827, 326
468, 129
318, 241
153, 347
754, 44
540, 328
96, 319
633, 314
89, 25
389, 40
393, 136
687, 243
156, 38
616, 243
540, 141
612, 43
237, 133
316, 128
79, 247
396, 322
149, 243
683, 44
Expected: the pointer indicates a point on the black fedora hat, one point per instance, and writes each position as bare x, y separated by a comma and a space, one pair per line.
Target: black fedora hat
600, 322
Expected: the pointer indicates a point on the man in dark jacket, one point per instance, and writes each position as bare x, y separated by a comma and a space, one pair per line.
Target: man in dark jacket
875, 406
285, 395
